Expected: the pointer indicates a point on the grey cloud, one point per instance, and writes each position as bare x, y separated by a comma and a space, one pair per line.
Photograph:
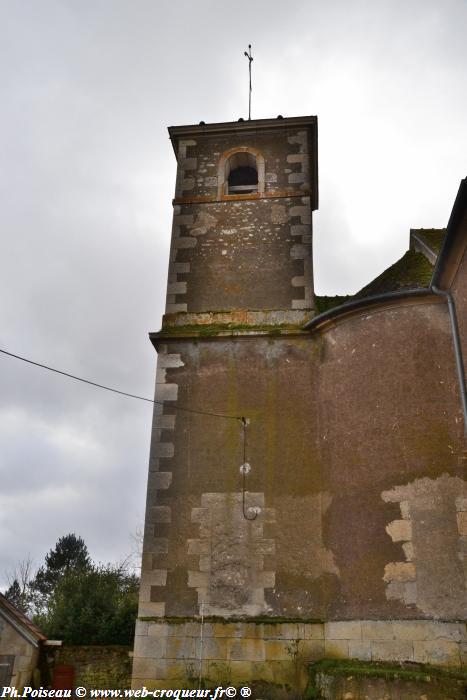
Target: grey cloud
87, 90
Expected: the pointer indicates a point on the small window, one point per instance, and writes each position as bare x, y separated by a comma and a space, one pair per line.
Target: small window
6, 669
242, 173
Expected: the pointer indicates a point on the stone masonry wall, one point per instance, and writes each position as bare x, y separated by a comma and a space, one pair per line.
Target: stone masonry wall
97, 666
353, 454
221, 243
172, 655
25, 654
360, 496
353, 680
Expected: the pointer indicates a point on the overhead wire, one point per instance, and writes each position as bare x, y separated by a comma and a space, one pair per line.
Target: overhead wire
117, 391
253, 513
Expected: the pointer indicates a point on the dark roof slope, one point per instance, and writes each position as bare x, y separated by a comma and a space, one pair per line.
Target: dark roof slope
412, 271
415, 274
324, 303
11, 611
433, 237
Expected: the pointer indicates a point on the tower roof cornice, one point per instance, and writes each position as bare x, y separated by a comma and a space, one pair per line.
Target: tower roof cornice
245, 127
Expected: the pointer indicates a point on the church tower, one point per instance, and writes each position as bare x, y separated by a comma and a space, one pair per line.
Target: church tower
241, 239
240, 284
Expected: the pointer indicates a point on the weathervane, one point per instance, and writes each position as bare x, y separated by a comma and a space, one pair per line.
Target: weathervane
250, 58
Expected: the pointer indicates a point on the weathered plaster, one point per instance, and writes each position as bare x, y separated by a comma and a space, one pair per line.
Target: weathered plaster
231, 577
432, 577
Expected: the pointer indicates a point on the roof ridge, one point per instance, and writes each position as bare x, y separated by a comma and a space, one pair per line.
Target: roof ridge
21, 618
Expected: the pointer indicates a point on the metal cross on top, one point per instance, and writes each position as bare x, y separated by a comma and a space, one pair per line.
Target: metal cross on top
250, 59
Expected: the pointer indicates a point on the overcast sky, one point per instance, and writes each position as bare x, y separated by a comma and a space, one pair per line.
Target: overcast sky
87, 89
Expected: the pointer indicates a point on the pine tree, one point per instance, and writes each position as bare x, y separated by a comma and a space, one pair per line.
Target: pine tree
70, 554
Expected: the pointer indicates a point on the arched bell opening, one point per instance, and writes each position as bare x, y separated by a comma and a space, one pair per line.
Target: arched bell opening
241, 173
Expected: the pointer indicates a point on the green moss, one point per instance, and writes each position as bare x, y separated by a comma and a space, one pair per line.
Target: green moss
404, 671
257, 619
207, 330
324, 303
444, 679
271, 429
432, 237
412, 271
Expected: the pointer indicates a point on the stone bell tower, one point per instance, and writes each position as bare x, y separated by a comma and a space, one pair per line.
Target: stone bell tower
242, 230
240, 277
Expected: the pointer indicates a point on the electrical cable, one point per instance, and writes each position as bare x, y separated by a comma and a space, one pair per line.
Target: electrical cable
245, 468
117, 391
242, 419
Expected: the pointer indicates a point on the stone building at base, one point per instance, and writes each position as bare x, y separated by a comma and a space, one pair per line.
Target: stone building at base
20, 643
306, 493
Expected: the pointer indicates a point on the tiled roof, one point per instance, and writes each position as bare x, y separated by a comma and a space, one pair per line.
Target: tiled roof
21, 619
414, 274
324, 303
433, 237
412, 271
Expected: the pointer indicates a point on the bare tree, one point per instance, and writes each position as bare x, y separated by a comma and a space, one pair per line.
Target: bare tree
19, 579
134, 558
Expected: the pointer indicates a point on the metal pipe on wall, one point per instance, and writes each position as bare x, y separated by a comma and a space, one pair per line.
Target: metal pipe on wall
457, 347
